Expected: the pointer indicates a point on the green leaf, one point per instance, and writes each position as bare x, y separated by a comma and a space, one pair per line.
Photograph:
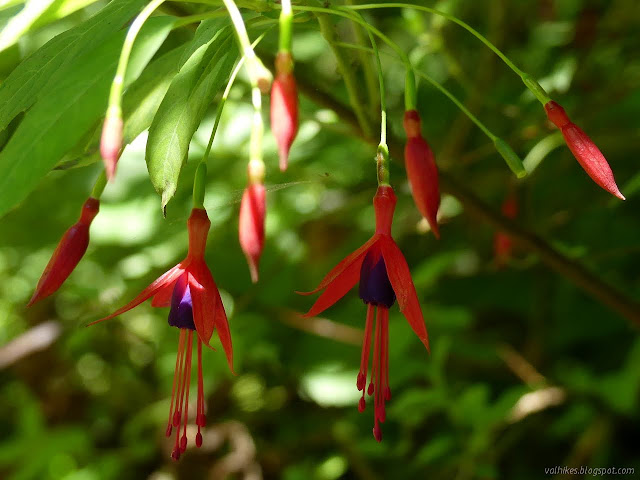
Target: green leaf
57, 122
183, 108
38, 75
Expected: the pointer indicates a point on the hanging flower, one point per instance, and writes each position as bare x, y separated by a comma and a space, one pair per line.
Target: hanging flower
190, 290
384, 276
421, 171
68, 253
251, 225
583, 148
284, 107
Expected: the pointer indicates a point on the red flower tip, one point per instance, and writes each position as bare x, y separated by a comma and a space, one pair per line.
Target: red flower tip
421, 171
284, 107
586, 152
251, 225
111, 144
67, 254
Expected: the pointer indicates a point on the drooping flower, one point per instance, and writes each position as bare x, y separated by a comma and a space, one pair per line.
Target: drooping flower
284, 107
251, 225
502, 243
68, 253
383, 276
111, 143
190, 290
583, 148
421, 171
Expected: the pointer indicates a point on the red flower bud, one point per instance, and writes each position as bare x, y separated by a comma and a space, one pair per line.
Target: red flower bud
422, 171
111, 144
583, 148
284, 107
67, 254
251, 226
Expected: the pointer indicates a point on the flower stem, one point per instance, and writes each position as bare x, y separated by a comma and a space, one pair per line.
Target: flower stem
527, 79
326, 28
98, 187
115, 94
286, 16
256, 72
199, 183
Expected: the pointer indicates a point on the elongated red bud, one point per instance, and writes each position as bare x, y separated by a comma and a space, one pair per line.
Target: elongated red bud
111, 143
251, 227
284, 107
583, 148
422, 171
67, 254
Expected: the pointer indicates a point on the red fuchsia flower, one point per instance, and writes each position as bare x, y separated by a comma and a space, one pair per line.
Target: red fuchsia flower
251, 225
68, 253
502, 243
583, 148
421, 171
190, 290
284, 107
111, 144
384, 276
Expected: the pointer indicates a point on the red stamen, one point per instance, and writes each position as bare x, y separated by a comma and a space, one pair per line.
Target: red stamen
173, 389
364, 358
187, 381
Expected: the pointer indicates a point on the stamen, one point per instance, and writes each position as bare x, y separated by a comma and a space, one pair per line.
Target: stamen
366, 344
173, 389
187, 380
200, 417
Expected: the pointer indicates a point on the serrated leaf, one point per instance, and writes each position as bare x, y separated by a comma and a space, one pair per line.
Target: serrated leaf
183, 108
139, 105
39, 74
59, 120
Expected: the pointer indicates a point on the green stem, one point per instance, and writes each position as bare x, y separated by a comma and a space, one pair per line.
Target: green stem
286, 16
255, 69
115, 94
507, 153
527, 79
449, 17
368, 69
98, 187
326, 28
199, 184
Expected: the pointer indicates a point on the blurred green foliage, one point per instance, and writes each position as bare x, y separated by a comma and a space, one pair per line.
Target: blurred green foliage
526, 370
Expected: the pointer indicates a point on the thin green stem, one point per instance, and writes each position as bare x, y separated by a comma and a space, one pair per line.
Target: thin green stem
442, 89
255, 69
115, 93
98, 187
326, 28
223, 100
449, 17
286, 15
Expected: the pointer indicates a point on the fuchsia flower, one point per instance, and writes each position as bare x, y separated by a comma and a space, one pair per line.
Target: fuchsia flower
583, 148
384, 276
190, 290
251, 225
67, 254
284, 107
421, 171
